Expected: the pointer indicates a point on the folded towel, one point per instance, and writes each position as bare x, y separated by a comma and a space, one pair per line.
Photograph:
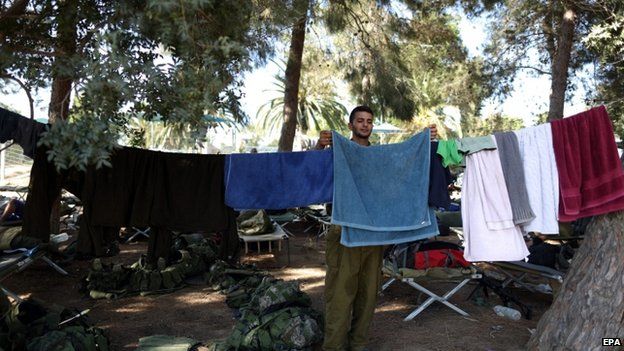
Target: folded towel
381, 188
513, 170
489, 231
591, 179
278, 180
542, 179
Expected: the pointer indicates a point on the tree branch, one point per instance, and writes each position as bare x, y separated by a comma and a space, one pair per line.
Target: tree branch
16, 9
540, 71
25, 87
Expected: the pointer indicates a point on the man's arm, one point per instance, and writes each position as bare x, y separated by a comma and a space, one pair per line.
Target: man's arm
433, 129
325, 139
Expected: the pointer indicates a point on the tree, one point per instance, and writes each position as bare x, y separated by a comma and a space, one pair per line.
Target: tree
590, 304
292, 75
405, 64
318, 106
175, 59
547, 29
606, 41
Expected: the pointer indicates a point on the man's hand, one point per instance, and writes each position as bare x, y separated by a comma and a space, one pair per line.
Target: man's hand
434, 131
325, 139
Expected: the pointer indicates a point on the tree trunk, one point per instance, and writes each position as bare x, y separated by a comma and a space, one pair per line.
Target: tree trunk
590, 305
62, 70
293, 72
62, 80
560, 65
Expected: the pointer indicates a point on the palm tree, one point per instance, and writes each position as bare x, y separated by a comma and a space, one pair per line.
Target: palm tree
317, 106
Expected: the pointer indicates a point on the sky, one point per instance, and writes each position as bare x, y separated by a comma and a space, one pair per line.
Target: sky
529, 98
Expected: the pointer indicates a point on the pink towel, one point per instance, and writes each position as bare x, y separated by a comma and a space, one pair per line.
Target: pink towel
591, 179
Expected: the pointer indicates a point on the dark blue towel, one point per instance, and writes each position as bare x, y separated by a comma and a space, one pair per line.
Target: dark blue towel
381, 190
278, 180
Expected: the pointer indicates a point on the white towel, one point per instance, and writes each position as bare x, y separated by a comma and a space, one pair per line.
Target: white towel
489, 230
542, 177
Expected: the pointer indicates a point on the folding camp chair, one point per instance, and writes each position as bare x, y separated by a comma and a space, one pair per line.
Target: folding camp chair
142, 232
517, 271
20, 191
279, 234
413, 277
13, 261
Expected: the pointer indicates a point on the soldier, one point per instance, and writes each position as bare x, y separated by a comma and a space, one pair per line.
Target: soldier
353, 273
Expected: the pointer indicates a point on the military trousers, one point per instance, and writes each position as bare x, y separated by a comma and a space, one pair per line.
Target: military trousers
351, 286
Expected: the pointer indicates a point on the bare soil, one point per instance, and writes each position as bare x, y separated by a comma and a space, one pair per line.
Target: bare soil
200, 313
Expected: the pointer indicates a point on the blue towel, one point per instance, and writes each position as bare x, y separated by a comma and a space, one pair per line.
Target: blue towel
278, 180
352, 237
381, 190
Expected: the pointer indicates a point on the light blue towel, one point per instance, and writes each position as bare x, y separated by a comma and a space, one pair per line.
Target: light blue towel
360, 237
380, 190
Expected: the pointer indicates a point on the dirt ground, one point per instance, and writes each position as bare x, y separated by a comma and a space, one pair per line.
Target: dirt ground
198, 312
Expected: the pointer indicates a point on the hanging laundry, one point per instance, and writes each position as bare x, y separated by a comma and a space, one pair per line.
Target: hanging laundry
591, 179
489, 231
379, 190
8, 124
189, 192
45, 186
439, 179
511, 162
278, 180
166, 191
541, 176
27, 135
450, 155
474, 144
352, 237
23, 131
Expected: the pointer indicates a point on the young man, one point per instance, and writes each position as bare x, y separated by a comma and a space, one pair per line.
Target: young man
353, 273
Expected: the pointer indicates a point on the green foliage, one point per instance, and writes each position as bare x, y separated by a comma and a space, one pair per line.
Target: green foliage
606, 40
85, 140
404, 66
495, 123
146, 58
520, 31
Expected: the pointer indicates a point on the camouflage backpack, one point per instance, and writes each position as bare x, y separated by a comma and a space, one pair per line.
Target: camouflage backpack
30, 326
293, 328
274, 294
73, 338
254, 222
107, 277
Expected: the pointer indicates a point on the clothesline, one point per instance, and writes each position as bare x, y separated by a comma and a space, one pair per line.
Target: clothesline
544, 154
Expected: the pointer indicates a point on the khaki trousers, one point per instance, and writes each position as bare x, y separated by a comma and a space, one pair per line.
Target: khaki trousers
351, 286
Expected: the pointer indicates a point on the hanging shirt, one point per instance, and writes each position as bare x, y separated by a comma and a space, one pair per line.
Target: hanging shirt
489, 231
24, 132
380, 190
591, 179
541, 176
8, 124
439, 180
511, 162
447, 149
279, 180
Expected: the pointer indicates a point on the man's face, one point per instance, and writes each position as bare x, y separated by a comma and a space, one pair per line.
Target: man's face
362, 124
